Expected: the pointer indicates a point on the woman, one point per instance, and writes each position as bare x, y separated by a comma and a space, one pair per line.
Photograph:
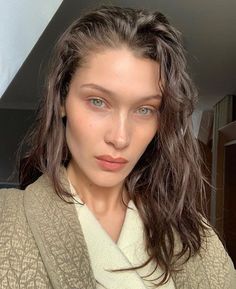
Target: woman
112, 189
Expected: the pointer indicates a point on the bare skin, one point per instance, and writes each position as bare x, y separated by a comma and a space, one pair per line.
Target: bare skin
112, 109
111, 216
112, 223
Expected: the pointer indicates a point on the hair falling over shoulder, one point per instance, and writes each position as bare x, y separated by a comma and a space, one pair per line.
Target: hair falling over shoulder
167, 184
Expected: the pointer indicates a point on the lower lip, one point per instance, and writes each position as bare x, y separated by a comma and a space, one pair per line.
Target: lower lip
109, 165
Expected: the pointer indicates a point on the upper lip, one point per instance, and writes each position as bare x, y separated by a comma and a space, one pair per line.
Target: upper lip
111, 159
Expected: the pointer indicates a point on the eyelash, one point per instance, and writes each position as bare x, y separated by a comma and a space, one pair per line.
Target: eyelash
152, 111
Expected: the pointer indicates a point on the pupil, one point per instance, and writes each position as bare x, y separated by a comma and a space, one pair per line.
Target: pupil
98, 102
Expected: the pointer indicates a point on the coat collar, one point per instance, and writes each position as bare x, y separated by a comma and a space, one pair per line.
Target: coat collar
58, 235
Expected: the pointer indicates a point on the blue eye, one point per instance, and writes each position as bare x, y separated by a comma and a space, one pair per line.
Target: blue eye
97, 102
145, 110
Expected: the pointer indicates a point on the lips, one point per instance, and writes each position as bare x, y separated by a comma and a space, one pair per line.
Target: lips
110, 164
108, 158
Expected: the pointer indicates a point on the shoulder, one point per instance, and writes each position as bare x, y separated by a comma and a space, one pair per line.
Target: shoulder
9, 198
210, 268
20, 260
11, 208
216, 262
14, 228
12, 213
13, 223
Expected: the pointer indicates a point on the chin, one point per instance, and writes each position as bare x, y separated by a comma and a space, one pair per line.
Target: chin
108, 184
107, 181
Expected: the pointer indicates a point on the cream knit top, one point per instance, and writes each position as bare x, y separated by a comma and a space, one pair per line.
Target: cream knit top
129, 251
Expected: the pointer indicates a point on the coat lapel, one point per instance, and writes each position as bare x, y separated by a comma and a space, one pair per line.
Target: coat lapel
58, 235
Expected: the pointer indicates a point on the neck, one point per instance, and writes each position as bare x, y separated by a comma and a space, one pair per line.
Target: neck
101, 200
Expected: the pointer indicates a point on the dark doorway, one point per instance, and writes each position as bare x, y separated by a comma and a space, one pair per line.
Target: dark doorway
230, 199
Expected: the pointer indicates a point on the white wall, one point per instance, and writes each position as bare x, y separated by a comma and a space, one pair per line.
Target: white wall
196, 118
21, 24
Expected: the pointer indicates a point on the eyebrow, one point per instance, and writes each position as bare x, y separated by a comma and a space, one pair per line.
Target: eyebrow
107, 91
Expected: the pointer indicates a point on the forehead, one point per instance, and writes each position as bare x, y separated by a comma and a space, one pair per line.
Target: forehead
121, 71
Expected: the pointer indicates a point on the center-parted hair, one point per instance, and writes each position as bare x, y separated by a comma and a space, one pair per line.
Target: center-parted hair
167, 184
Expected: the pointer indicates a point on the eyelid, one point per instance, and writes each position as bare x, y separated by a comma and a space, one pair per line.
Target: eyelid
149, 107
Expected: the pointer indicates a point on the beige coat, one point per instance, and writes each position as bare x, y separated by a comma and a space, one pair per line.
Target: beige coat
42, 246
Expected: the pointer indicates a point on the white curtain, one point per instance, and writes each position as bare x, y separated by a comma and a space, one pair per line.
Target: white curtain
21, 24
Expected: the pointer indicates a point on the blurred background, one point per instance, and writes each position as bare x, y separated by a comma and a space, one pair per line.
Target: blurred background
28, 31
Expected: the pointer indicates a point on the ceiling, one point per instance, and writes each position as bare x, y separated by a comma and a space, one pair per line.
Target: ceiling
209, 33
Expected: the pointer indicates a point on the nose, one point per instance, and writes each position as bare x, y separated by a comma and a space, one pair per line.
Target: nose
119, 132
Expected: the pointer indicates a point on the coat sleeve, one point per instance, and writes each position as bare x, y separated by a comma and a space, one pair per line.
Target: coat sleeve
210, 268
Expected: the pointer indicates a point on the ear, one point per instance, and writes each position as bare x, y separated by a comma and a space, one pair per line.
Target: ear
63, 111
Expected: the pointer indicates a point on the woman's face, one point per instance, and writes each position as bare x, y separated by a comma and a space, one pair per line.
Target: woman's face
112, 109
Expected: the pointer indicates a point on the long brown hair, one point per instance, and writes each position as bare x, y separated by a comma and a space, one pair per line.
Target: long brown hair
167, 184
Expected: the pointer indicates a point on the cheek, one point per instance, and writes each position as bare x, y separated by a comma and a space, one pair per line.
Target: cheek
150, 131
82, 129
76, 132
